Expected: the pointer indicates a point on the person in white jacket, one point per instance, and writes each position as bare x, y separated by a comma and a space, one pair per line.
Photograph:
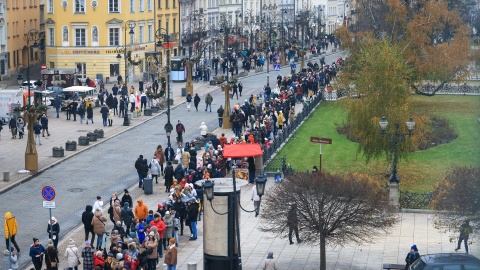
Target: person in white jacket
98, 204
13, 259
256, 200
131, 99
203, 129
155, 169
72, 254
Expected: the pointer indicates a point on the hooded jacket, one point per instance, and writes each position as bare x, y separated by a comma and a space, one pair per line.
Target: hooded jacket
160, 226
117, 211
141, 210
87, 217
98, 223
141, 233
10, 225
127, 215
179, 173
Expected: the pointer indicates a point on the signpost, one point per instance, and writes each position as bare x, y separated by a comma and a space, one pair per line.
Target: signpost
48, 194
320, 141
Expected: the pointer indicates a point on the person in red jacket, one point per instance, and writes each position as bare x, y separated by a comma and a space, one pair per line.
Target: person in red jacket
98, 259
161, 227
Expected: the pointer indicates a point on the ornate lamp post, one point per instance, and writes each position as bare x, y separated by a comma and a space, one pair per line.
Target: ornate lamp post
233, 223
225, 24
31, 155
267, 22
129, 25
397, 136
162, 34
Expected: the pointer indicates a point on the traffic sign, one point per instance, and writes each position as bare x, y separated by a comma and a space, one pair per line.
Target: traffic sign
48, 193
49, 204
321, 140
276, 67
44, 66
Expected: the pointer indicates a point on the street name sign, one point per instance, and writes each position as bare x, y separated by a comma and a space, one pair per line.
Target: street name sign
321, 140
49, 204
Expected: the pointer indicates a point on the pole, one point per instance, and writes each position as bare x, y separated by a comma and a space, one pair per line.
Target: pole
50, 222
126, 121
394, 175
237, 221
320, 165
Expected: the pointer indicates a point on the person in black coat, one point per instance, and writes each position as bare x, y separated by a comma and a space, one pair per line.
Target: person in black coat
180, 211
179, 173
144, 169
89, 113
169, 173
127, 216
138, 166
192, 215
196, 101
87, 217
126, 198
104, 112
169, 153
53, 229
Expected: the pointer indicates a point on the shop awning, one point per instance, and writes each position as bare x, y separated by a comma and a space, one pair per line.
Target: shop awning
242, 150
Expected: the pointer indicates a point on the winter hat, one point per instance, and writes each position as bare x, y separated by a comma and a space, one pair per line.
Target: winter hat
167, 213
150, 212
126, 191
119, 223
87, 243
151, 233
414, 247
110, 254
71, 241
125, 204
50, 243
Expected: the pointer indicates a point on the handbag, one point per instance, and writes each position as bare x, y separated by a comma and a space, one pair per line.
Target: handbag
78, 259
53, 264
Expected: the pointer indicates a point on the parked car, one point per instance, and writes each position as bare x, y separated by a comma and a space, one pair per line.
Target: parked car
442, 261
55, 91
24, 85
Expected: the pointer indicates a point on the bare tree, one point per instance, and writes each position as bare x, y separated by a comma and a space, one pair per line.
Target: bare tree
457, 197
338, 209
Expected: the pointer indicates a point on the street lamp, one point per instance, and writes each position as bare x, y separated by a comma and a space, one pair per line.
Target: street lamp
209, 186
129, 25
31, 155
162, 34
269, 9
397, 135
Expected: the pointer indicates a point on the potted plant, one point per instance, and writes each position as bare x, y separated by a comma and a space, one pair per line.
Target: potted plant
162, 103
155, 109
92, 136
71, 145
58, 151
99, 133
83, 140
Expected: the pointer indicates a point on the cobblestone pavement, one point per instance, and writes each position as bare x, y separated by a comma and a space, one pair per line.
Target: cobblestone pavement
101, 169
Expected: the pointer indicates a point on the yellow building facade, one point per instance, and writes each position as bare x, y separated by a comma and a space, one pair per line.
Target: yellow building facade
90, 36
21, 17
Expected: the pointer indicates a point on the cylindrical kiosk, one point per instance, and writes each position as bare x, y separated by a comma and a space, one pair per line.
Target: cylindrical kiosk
220, 247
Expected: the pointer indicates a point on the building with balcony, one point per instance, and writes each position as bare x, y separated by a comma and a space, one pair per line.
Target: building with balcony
3, 40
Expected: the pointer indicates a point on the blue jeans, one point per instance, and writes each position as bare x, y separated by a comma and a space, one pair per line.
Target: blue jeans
140, 181
58, 112
104, 121
99, 240
71, 268
193, 225
220, 121
208, 105
171, 267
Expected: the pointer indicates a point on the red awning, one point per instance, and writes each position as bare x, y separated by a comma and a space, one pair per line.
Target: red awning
242, 150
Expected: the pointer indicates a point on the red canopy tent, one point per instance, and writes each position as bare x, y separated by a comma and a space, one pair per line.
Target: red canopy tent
242, 150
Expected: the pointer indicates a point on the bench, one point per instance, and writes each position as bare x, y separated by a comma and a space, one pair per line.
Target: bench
392, 266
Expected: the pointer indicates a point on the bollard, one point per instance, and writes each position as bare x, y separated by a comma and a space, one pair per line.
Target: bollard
191, 266
6, 176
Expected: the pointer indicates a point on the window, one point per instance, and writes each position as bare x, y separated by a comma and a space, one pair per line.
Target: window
140, 33
159, 6
174, 3
80, 37
50, 6
113, 6
51, 36
79, 6
166, 3
35, 24
166, 26
141, 5
94, 34
24, 26
132, 5
149, 5
174, 25
114, 36
132, 38
65, 34
149, 33
159, 24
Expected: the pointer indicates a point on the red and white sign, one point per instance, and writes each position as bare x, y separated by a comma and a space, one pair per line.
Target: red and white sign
44, 66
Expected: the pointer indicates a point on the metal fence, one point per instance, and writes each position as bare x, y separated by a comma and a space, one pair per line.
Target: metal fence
449, 89
284, 134
415, 200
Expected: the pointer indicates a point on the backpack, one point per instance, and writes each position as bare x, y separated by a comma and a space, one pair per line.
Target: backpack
37, 128
189, 98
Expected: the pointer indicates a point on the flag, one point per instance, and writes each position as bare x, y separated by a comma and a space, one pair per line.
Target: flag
137, 101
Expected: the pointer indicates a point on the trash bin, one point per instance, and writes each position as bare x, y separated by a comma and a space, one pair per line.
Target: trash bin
148, 186
184, 92
295, 59
107, 80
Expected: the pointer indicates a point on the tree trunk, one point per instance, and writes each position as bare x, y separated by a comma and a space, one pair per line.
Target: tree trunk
323, 259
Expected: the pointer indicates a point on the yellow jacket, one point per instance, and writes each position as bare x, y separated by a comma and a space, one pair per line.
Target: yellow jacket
10, 225
280, 118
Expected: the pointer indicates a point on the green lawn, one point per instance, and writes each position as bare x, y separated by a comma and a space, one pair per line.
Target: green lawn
421, 169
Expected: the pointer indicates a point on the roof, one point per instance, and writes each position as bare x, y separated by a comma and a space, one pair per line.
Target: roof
78, 89
448, 258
